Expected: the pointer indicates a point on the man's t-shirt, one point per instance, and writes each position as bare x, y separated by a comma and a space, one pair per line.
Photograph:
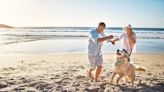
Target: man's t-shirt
94, 47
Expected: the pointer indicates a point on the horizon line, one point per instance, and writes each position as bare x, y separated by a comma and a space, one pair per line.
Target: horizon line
81, 27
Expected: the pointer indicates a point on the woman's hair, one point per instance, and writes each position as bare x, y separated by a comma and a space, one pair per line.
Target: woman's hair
130, 29
131, 32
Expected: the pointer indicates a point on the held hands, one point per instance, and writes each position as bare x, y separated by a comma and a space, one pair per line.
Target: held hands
113, 42
109, 39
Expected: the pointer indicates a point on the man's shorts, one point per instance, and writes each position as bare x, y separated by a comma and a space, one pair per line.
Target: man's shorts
95, 61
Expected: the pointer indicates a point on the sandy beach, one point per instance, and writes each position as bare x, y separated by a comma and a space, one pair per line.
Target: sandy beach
44, 45
67, 72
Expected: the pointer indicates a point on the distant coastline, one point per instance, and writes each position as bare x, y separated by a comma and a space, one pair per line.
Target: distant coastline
5, 26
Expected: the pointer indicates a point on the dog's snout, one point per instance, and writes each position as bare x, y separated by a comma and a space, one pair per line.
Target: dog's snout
118, 50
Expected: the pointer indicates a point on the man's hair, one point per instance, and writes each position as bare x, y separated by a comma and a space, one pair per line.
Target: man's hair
102, 24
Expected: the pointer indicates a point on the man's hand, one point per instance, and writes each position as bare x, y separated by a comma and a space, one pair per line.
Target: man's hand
110, 37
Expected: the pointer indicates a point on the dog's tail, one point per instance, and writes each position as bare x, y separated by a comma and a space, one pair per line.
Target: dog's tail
139, 68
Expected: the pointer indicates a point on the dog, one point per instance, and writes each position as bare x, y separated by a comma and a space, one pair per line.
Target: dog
123, 68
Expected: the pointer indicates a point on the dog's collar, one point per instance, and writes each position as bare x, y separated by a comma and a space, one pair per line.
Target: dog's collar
120, 61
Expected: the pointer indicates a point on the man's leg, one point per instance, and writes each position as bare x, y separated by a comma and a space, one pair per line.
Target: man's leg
90, 74
93, 66
99, 63
98, 71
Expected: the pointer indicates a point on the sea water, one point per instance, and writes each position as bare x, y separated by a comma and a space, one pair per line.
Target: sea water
73, 39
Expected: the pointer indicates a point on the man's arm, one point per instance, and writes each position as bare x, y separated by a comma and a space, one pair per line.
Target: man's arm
105, 38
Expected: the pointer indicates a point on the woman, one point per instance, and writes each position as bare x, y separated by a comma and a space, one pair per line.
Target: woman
128, 39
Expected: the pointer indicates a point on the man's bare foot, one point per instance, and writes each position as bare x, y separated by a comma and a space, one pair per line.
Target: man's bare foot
97, 80
90, 75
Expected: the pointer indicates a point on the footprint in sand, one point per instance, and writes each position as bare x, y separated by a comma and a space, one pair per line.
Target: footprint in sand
63, 81
55, 77
80, 77
3, 84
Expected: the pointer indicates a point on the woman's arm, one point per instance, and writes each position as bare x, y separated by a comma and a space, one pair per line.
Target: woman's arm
117, 39
120, 37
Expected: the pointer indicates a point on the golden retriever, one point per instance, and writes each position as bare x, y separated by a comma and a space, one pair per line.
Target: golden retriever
123, 68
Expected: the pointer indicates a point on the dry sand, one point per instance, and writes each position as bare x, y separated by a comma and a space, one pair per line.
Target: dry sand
67, 73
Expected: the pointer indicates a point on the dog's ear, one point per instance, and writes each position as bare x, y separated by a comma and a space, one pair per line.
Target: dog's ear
126, 53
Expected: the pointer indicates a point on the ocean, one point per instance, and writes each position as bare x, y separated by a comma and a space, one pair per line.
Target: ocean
41, 40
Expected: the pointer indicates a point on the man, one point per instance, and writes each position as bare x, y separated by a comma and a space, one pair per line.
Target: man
96, 39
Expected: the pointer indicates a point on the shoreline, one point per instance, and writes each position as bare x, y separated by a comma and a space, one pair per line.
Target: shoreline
60, 53
67, 45
61, 37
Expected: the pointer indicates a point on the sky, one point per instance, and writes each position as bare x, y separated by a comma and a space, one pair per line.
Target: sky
115, 13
